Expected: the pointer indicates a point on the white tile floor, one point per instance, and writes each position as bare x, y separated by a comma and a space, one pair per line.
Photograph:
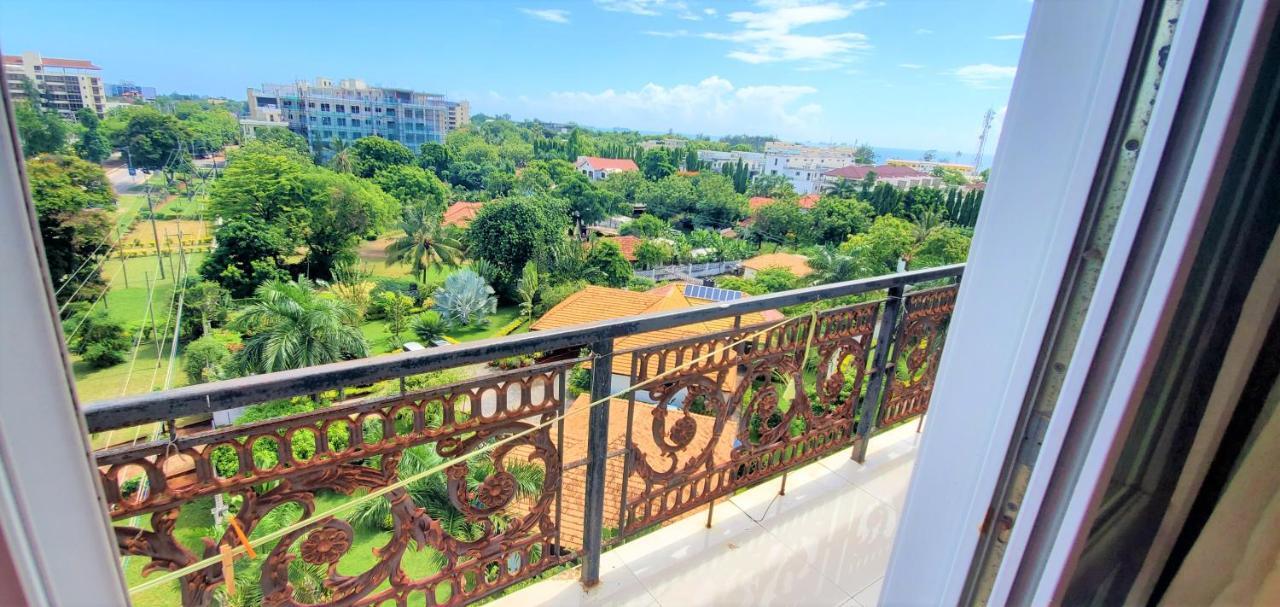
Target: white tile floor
826, 542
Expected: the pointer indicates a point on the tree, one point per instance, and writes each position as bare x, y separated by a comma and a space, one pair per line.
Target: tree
42, 131
672, 198
264, 181
607, 266
830, 266
203, 359
627, 185
718, 205
395, 309
777, 187
656, 164
513, 231
249, 253
372, 154
425, 245
836, 219
950, 177
434, 157
646, 226
100, 341
341, 209
415, 187
878, 250
942, 246
290, 325
528, 288
209, 300
587, 203
780, 222
285, 138
844, 188
211, 129
465, 299
864, 154
72, 199
93, 145
651, 254
155, 141
930, 155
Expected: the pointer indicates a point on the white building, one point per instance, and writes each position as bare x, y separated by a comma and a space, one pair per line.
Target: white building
894, 175
596, 168
65, 85
716, 160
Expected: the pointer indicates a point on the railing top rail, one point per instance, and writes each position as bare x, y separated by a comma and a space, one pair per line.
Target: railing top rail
227, 394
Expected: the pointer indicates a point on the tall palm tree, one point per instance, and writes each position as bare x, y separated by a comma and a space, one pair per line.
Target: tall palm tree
844, 188
927, 222
290, 325
424, 244
341, 159
832, 266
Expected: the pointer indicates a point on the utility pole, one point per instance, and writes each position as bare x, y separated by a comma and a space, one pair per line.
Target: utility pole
982, 139
155, 233
182, 252
124, 268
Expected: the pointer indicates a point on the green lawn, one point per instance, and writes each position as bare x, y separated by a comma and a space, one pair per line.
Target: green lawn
375, 331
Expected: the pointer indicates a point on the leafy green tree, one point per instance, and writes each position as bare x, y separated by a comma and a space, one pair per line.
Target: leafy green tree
878, 249
943, 246
434, 157
830, 266
93, 145
42, 131
285, 138
772, 186
395, 309
73, 200
425, 245
673, 198
290, 325
864, 154
207, 301
656, 164
607, 266
950, 177
773, 280
718, 205
646, 226
250, 252
100, 341
341, 209
212, 129
513, 231
372, 154
780, 222
204, 358
627, 185
651, 254
586, 202
264, 181
155, 141
465, 299
835, 219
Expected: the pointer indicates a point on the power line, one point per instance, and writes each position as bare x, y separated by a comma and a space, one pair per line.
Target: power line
87, 278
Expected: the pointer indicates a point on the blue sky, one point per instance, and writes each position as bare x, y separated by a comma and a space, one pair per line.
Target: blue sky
898, 73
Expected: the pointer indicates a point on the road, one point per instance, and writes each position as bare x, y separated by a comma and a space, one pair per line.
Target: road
120, 179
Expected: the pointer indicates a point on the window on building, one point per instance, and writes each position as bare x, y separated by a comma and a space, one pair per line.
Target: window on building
324, 107
311, 105
340, 108
342, 122
355, 109
325, 121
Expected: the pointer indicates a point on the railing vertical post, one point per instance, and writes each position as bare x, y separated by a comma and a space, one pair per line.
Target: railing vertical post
597, 451
884, 337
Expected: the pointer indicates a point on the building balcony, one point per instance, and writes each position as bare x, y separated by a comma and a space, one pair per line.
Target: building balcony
722, 437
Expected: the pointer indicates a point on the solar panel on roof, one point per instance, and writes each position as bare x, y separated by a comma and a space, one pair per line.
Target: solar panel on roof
711, 293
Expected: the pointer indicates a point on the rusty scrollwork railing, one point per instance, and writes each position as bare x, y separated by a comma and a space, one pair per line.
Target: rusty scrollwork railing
719, 411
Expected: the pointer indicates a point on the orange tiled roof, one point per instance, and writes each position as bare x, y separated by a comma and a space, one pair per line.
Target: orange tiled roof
627, 244
798, 264
460, 214
608, 164
755, 202
595, 303
808, 201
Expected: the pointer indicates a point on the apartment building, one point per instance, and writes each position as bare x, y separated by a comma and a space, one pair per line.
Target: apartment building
894, 175
65, 85
350, 109
804, 165
130, 90
716, 160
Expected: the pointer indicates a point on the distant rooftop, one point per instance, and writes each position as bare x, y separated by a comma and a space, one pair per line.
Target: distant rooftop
81, 64
859, 171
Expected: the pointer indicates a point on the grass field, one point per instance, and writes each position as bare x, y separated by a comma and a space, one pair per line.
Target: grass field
375, 331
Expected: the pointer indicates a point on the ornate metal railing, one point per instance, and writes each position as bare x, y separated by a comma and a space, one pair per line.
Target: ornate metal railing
720, 410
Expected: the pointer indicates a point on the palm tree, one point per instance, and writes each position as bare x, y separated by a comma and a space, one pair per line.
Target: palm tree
927, 222
290, 325
844, 188
424, 244
831, 266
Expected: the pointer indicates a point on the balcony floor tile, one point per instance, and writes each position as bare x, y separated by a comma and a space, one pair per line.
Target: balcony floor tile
826, 542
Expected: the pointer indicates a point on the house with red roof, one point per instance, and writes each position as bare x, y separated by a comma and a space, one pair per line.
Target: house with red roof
596, 168
894, 175
460, 214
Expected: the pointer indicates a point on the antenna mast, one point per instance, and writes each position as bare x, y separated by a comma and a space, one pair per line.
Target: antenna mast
982, 139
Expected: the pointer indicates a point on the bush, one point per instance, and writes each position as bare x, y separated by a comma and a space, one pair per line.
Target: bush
203, 359
101, 341
512, 362
102, 355
465, 299
430, 326
552, 295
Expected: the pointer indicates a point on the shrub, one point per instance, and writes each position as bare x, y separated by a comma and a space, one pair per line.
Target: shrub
512, 362
100, 341
101, 355
430, 326
552, 295
465, 299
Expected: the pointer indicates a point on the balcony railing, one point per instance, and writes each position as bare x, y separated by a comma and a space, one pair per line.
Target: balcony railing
535, 479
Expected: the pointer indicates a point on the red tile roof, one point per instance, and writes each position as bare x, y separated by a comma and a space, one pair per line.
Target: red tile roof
758, 201
53, 62
608, 164
460, 214
859, 171
627, 244
808, 201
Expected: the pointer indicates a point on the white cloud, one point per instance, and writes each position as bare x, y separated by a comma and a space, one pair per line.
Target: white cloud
910, 66
667, 34
710, 12
768, 35
1009, 37
554, 15
985, 75
651, 8
923, 32
712, 106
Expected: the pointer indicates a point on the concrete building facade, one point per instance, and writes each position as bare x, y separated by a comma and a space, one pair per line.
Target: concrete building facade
350, 109
65, 85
